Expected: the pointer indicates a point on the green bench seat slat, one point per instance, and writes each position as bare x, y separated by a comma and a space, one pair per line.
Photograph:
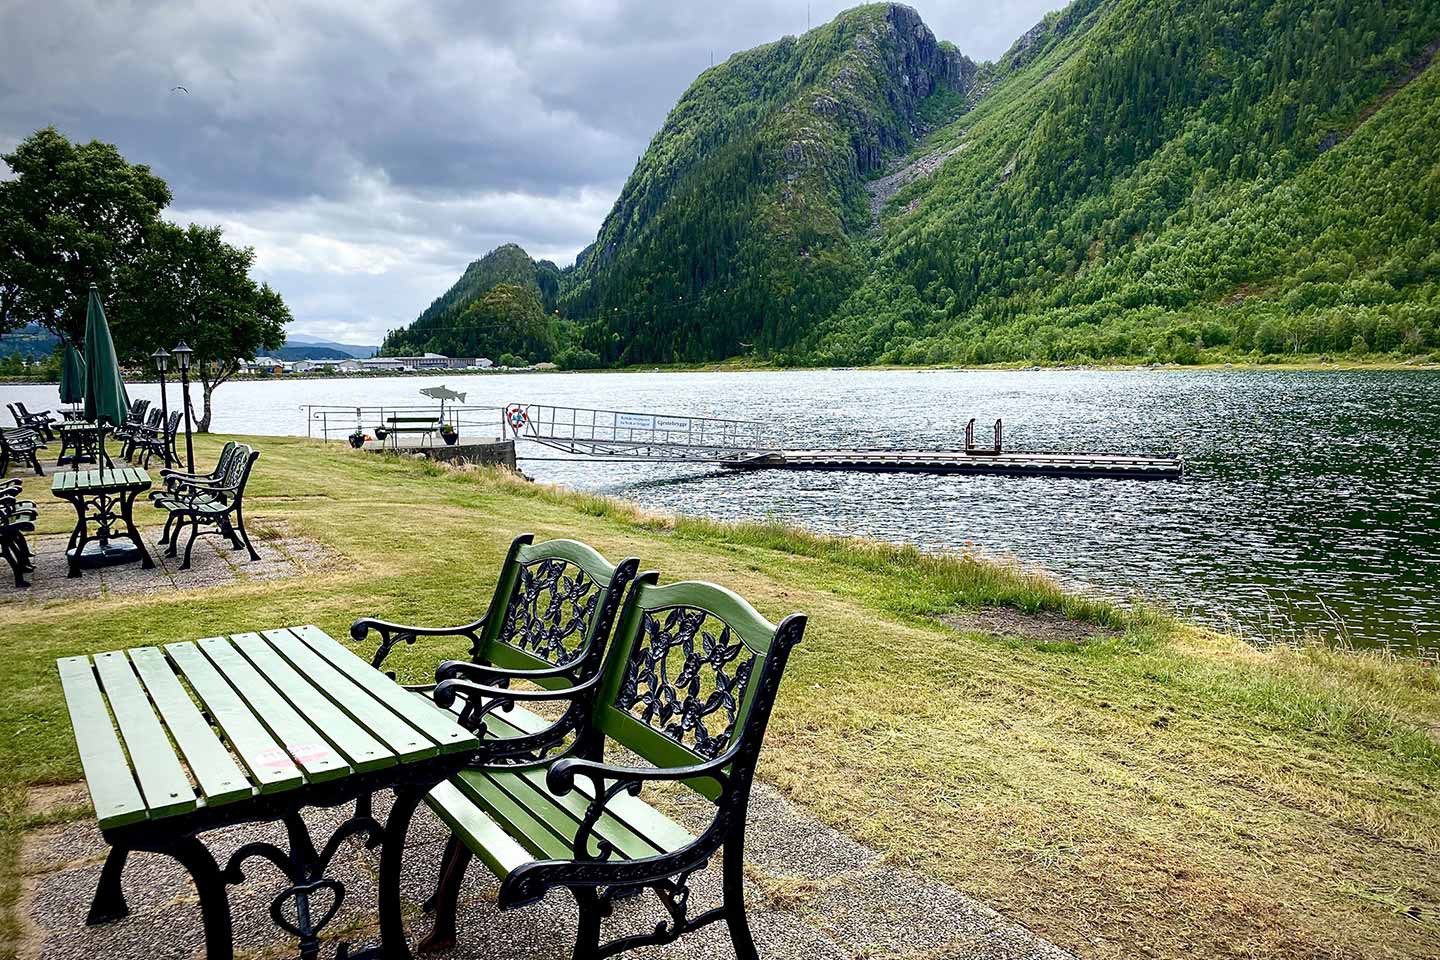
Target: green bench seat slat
419, 712
270, 766
542, 839
484, 836
113, 792
362, 749
561, 817
400, 737
320, 754
644, 820
163, 782
636, 832
221, 780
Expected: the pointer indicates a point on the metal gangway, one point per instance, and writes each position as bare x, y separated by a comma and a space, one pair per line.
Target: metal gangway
623, 435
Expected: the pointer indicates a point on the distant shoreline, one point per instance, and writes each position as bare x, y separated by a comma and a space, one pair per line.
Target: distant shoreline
728, 366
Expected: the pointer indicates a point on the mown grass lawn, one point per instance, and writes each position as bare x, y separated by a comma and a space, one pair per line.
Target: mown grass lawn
1127, 787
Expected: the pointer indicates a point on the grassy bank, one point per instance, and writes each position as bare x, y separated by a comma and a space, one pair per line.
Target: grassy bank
1123, 784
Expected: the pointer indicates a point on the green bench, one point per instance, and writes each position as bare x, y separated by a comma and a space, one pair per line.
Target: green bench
216, 507
686, 685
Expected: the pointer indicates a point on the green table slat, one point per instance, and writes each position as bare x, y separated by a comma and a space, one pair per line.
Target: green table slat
424, 715
113, 792
162, 777
312, 752
362, 750
269, 765
221, 779
402, 738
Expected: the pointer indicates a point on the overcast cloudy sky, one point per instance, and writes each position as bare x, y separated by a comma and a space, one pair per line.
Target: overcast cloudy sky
369, 150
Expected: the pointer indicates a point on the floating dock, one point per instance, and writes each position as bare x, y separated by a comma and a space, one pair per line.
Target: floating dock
1013, 463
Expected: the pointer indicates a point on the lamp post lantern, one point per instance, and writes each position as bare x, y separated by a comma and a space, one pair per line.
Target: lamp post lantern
162, 360
182, 353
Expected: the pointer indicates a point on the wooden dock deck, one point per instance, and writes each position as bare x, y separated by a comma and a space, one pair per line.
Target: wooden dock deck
1012, 463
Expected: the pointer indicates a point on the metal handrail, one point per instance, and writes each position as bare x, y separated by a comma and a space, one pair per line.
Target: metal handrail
623, 433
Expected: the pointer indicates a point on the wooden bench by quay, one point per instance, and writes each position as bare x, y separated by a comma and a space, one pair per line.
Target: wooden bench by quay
396, 425
279, 721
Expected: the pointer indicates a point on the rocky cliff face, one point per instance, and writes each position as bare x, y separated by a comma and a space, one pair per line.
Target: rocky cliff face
895, 63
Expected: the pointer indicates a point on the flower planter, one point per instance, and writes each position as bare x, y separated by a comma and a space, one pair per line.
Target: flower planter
449, 436
357, 440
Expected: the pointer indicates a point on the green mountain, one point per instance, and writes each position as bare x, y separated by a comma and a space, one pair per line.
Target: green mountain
473, 318
1166, 180
743, 223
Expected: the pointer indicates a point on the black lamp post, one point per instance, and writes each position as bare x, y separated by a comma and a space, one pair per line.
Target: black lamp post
182, 354
162, 360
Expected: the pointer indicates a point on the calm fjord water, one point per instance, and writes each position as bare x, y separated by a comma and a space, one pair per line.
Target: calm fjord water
1311, 501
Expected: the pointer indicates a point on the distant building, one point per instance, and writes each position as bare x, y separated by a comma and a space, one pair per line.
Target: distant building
546, 365
264, 366
427, 361
350, 366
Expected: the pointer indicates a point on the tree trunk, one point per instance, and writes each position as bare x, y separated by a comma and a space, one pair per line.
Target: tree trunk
202, 422
210, 380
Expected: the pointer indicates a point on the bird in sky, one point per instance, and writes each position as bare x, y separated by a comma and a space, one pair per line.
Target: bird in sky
179, 88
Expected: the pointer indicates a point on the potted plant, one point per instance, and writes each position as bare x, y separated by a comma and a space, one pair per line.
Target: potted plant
449, 434
357, 439
381, 433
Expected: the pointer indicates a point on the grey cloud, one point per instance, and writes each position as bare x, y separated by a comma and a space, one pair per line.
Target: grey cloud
413, 137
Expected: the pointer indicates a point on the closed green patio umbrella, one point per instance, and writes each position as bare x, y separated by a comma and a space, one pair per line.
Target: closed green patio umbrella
105, 399
72, 375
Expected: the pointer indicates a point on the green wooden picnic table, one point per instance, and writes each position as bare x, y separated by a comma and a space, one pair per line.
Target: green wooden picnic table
104, 502
250, 728
79, 443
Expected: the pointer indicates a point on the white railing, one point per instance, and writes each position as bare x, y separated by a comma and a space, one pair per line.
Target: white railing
632, 435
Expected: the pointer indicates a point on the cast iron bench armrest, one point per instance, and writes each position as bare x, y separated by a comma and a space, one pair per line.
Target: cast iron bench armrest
482, 672
187, 477
393, 633
362, 627
446, 691
560, 778
191, 500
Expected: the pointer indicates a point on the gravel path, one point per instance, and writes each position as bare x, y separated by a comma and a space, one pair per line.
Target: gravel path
813, 893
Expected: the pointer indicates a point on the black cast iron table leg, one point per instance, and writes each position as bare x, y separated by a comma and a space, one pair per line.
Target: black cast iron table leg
214, 901
79, 537
127, 513
109, 903
392, 854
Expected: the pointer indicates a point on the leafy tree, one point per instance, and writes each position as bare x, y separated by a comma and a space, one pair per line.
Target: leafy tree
80, 214
72, 215
199, 289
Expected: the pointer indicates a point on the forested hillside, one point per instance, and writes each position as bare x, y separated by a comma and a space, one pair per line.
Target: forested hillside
501, 304
1170, 179
1156, 180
